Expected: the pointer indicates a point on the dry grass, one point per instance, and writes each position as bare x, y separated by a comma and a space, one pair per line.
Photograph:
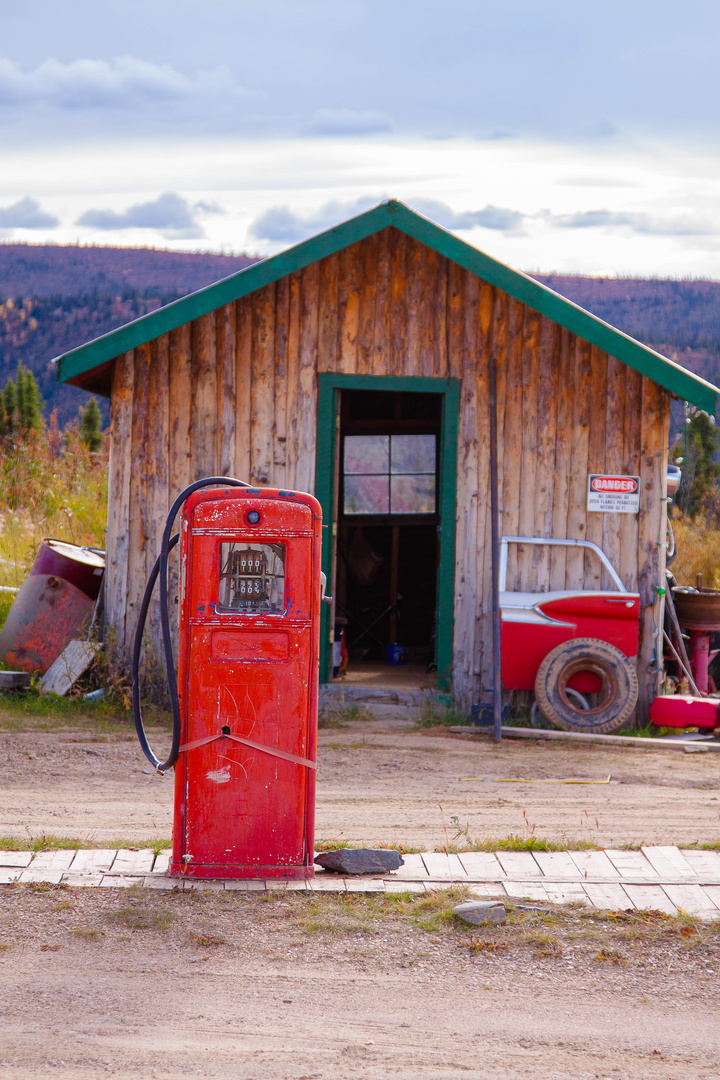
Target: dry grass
53, 841
698, 551
50, 486
137, 916
339, 714
397, 929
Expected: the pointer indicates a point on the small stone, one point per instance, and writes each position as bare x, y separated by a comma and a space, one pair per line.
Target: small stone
360, 860
481, 912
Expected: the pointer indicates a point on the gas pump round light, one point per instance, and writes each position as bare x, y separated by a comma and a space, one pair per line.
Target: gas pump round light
253, 517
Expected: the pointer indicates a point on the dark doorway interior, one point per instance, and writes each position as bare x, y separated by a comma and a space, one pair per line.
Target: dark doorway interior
388, 501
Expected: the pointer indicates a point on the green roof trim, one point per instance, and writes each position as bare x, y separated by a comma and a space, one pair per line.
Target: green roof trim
78, 362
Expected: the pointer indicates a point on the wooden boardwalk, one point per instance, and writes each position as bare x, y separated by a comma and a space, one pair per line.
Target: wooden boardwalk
660, 878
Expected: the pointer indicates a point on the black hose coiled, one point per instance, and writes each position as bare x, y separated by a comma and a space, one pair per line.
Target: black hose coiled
161, 569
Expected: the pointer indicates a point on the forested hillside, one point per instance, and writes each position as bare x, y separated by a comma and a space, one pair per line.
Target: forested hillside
680, 319
53, 298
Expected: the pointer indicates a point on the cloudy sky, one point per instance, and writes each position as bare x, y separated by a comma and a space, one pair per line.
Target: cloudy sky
553, 134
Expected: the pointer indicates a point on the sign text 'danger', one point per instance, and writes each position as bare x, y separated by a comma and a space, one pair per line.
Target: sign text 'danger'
608, 494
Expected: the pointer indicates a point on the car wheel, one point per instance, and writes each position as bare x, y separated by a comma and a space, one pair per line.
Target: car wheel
616, 699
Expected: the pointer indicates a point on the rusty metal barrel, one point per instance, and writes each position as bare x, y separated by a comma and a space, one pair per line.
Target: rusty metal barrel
697, 609
53, 605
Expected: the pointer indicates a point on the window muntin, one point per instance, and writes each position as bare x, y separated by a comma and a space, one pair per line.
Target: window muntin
367, 454
252, 579
389, 474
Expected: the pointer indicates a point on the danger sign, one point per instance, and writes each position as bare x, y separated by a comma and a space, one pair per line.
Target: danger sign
613, 494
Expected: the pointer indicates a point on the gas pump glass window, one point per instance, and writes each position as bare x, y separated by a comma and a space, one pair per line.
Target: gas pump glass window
252, 579
389, 474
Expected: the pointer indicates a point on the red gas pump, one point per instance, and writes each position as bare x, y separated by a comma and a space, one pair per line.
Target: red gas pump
245, 705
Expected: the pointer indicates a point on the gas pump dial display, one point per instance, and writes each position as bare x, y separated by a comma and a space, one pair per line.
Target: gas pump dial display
252, 579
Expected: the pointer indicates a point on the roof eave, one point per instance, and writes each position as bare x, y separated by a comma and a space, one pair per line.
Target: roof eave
71, 366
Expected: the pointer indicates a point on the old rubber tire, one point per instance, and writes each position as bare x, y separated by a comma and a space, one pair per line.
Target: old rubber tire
537, 720
617, 698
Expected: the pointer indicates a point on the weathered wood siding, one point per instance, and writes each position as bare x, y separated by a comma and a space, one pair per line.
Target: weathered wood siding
236, 392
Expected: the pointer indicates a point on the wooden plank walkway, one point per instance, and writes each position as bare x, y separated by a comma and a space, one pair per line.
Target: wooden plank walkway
662, 877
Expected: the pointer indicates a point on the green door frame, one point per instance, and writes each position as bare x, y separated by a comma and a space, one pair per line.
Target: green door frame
329, 386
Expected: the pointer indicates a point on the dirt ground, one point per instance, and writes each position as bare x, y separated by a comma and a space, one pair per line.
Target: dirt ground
382, 782
293, 987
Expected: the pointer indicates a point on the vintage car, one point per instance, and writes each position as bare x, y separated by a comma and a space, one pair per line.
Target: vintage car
575, 648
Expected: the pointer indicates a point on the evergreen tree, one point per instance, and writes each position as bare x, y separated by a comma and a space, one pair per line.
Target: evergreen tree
695, 449
9, 402
20, 405
90, 421
20, 398
30, 411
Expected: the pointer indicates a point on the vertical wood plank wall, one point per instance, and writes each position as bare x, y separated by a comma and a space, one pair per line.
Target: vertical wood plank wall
236, 391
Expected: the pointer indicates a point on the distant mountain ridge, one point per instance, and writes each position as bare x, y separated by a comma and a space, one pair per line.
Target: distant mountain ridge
69, 270
56, 297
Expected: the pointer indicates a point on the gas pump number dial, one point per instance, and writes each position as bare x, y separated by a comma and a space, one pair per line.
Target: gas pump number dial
252, 578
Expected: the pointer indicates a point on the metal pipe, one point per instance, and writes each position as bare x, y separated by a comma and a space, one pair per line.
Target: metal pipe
495, 534
687, 666
685, 670
639, 742
539, 540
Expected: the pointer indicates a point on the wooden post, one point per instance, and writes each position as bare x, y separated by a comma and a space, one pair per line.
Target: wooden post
118, 533
495, 531
394, 567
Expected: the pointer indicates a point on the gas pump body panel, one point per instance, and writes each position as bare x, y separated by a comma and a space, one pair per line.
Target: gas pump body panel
247, 667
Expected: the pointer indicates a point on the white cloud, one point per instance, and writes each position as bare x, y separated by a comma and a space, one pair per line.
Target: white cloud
26, 214
498, 218
637, 222
280, 224
169, 214
122, 83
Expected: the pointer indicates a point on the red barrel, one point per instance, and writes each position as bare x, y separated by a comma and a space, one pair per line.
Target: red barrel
53, 605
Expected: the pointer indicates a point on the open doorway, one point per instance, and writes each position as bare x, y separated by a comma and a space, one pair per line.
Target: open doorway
387, 537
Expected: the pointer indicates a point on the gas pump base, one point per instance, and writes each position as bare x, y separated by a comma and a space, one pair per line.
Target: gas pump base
681, 711
233, 872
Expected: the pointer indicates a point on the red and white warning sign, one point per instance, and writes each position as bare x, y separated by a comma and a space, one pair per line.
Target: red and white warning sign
613, 494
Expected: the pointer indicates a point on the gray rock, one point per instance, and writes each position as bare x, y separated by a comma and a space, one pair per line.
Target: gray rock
481, 912
360, 860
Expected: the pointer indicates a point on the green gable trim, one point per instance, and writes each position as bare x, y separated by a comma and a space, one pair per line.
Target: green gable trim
83, 359
549, 303
672, 376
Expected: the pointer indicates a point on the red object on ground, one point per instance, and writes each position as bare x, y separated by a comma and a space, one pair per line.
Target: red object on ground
82, 567
700, 657
534, 623
248, 684
680, 710
52, 606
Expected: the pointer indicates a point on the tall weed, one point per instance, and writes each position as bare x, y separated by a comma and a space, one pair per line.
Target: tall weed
50, 485
697, 542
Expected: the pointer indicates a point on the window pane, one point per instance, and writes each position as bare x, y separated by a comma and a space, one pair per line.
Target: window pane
252, 578
413, 453
367, 454
366, 495
412, 494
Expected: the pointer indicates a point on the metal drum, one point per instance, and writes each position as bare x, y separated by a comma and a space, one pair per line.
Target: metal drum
53, 605
697, 609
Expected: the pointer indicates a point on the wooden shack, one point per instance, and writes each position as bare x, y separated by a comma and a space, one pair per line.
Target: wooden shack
384, 328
